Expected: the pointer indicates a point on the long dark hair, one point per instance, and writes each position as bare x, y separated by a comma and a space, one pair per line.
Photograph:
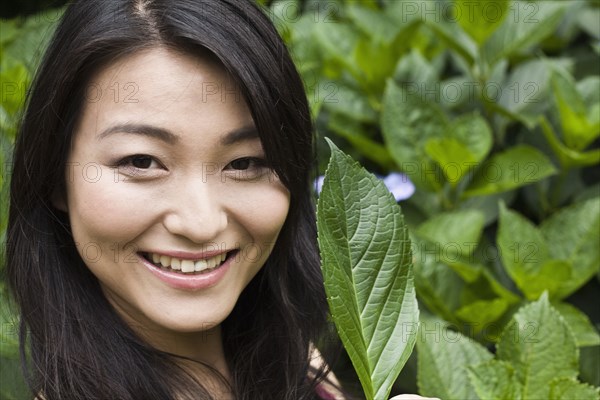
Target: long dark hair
79, 347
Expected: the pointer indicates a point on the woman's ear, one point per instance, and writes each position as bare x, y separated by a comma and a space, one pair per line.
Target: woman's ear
58, 200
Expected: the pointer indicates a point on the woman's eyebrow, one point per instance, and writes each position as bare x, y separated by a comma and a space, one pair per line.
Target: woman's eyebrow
235, 136
239, 135
140, 129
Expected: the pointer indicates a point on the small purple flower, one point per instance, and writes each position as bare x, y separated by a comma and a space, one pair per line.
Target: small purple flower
319, 183
400, 185
397, 183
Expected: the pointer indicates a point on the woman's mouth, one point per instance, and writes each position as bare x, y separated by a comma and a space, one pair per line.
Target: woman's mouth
187, 266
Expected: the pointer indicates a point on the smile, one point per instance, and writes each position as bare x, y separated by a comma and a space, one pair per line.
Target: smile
187, 266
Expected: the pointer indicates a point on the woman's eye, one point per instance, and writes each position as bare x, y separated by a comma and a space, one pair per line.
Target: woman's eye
138, 162
246, 168
142, 162
241, 163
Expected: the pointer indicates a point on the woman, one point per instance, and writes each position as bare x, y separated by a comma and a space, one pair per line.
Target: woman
161, 237
161, 136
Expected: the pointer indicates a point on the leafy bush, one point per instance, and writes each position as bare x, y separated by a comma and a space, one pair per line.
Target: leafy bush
21, 44
492, 108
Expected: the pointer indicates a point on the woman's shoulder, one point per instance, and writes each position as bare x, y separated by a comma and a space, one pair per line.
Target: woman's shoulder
329, 388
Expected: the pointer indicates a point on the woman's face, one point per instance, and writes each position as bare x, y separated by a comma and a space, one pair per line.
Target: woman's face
166, 169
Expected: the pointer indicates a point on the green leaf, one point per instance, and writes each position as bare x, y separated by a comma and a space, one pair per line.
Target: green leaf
443, 359
366, 262
528, 24
481, 313
407, 122
567, 157
413, 69
456, 232
583, 330
518, 166
455, 38
571, 389
438, 285
573, 234
540, 347
578, 131
376, 62
525, 255
349, 102
480, 19
338, 41
466, 142
495, 380
377, 24
526, 91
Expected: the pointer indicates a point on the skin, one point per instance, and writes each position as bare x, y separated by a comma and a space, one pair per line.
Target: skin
189, 197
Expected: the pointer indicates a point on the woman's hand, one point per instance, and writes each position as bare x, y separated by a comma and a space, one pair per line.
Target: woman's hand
412, 397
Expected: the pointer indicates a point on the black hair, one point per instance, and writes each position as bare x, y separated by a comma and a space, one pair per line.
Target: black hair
79, 348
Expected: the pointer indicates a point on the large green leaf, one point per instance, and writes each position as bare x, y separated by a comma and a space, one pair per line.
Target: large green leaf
528, 24
567, 157
495, 380
584, 332
525, 255
465, 143
454, 287
519, 165
571, 389
377, 24
578, 131
539, 345
439, 286
366, 262
351, 103
456, 232
443, 359
573, 234
453, 37
526, 92
480, 18
407, 122
338, 40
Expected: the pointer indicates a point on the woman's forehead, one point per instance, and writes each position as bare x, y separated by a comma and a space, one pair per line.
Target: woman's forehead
166, 89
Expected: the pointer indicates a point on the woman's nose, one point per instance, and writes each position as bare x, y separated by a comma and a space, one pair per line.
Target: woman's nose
196, 212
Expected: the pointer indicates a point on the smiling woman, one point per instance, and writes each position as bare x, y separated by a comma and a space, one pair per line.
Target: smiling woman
161, 240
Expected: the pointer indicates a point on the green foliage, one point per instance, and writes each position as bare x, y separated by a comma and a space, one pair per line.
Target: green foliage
21, 44
536, 358
492, 108
367, 268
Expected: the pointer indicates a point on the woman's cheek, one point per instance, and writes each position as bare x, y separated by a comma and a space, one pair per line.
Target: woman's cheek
108, 209
264, 205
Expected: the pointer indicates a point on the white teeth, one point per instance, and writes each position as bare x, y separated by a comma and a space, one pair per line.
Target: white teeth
200, 265
165, 261
211, 262
187, 266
